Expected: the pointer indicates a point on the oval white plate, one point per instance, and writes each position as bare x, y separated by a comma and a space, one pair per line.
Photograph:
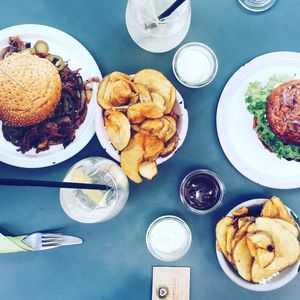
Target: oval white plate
283, 278
234, 123
182, 127
70, 49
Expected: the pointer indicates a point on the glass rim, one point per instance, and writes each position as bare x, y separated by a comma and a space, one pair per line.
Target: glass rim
256, 7
167, 20
220, 183
213, 56
184, 250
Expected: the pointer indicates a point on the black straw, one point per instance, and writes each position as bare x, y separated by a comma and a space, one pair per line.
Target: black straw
170, 10
54, 184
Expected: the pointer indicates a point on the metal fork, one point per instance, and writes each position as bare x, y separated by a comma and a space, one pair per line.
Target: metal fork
44, 241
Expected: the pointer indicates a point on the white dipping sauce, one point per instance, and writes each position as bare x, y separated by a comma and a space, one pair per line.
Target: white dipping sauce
168, 236
195, 64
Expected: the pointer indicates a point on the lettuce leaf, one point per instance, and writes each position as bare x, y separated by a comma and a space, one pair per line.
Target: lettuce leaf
256, 100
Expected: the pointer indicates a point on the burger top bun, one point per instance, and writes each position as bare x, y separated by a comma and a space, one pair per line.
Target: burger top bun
33, 95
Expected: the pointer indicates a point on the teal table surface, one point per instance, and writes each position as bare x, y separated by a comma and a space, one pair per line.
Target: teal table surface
114, 263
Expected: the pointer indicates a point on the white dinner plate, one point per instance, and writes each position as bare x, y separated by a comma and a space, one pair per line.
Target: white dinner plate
234, 123
70, 49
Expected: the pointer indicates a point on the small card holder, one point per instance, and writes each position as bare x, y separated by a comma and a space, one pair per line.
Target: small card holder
171, 283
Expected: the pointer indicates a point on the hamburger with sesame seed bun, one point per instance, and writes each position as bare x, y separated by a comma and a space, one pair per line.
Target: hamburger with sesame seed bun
30, 89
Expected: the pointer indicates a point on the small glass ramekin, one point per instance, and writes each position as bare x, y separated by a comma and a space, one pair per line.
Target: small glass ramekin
208, 52
169, 256
186, 180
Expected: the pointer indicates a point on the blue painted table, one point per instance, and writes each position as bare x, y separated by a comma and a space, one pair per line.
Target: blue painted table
114, 263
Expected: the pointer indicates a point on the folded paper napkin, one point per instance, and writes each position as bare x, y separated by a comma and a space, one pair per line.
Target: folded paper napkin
9, 244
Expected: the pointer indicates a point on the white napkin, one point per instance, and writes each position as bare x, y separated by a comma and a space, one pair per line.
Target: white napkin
9, 244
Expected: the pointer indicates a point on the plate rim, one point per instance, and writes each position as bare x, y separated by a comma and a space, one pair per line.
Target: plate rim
60, 156
236, 78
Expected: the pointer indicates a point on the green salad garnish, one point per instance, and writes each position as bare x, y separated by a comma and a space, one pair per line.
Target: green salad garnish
256, 100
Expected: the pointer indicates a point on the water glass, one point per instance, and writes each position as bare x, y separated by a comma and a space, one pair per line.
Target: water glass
154, 34
257, 5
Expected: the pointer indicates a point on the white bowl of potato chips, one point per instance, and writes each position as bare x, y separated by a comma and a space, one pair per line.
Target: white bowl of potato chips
257, 245
141, 121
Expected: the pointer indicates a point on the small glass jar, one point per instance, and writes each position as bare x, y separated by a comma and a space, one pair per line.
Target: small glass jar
202, 191
92, 206
168, 238
195, 65
257, 5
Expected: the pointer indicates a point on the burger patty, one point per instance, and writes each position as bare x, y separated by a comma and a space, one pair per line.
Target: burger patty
283, 112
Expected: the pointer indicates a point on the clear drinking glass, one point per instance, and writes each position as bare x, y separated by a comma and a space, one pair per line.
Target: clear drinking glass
257, 5
156, 35
92, 206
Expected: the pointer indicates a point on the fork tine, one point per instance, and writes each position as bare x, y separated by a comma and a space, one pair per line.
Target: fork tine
52, 238
51, 234
50, 244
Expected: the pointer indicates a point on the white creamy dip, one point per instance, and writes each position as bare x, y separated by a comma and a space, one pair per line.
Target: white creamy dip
168, 238
195, 65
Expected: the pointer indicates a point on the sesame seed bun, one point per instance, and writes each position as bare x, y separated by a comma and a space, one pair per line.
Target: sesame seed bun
33, 95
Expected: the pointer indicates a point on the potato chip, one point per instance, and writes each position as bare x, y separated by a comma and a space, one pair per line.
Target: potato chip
231, 230
136, 128
286, 245
144, 95
152, 125
171, 130
132, 156
241, 232
274, 208
158, 100
156, 82
116, 89
242, 211
121, 93
118, 129
137, 113
170, 146
153, 147
148, 169
264, 247
243, 260
103, 98
221, 233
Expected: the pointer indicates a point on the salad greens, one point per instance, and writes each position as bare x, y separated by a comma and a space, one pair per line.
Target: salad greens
256, 100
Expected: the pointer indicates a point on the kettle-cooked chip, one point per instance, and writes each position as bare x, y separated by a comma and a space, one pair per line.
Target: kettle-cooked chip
153, 147
156, 82
144, 94
148, 169
274, 208
152, 125
264, 247
171, 130
137, 113
118, 128
132, 156
170, 146
116, 89
243, 259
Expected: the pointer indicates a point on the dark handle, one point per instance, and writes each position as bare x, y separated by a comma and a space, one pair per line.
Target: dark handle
55, 184
169, 10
